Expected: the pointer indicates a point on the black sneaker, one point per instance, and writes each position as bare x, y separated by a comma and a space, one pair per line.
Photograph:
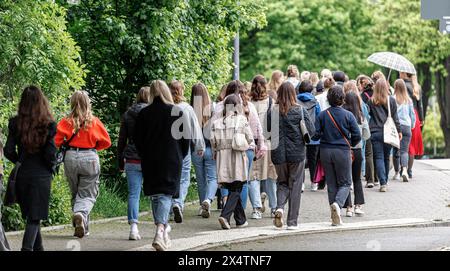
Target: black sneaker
178, 214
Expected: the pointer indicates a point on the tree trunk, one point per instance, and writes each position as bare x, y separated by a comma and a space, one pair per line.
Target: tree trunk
426, 78
443, 94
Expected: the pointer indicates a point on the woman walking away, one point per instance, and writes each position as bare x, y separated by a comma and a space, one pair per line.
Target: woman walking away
198, 146
407, 118
231, 138
322, 98
205, 165
293, 75
31, 143
309, 102
275, 82
87, 135
263, 172
161, 156
237, 88
416, 145
338, 132
130, 161
365, 87
353, 104
289, 155
379, 110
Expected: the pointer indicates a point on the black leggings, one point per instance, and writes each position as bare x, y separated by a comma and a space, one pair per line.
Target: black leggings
32, 239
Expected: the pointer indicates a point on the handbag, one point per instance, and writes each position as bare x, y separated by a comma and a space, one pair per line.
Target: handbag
11, 196
390, 132
269, 116
239, 142
319, 175
342, 134
61, 154
305, 134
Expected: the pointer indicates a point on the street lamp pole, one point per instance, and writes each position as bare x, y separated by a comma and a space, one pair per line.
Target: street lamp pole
236, 57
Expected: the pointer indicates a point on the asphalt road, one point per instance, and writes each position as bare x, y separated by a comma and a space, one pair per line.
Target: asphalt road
389, 239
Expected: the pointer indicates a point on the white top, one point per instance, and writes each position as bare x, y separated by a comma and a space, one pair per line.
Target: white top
323, 101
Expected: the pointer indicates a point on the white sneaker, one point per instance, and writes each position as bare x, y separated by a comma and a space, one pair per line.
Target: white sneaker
396, 176
314, 186
303, 187
167, 240
349, 212
292, 228
263, 201
278, 220
335, 215
358, 211
224, 223
134, 233
206, 206
405, 175
242, 225
256, 214
200, 211
158, 242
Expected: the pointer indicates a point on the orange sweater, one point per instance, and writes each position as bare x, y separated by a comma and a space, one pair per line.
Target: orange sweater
95, 137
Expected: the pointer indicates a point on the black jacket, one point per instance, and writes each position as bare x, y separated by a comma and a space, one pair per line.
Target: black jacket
288, 142
161, 153
125, 146
378, 116
417, 103
34, 177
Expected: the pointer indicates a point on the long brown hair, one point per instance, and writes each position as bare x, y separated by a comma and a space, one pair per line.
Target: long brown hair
177, 90
259, 88
143, 95
81, 114
238, 88
33, 119
380, 92
401, 93
287, 97
202, 110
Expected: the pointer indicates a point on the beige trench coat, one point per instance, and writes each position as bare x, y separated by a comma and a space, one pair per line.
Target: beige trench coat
231, 165
263, 168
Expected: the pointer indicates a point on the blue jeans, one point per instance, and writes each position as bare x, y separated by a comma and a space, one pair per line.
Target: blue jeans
134, 178
206, 175
254, 192
184, 182
244, 192
161, 208
270, 187
381, 153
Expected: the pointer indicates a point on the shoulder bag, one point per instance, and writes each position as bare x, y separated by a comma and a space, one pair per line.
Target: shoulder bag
11, 196
61, 154
390, 132
239, 142
305, 134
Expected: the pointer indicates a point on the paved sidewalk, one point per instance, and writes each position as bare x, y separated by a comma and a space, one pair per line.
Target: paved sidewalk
425, 198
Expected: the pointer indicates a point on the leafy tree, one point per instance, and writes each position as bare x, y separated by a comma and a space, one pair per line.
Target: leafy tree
127, 44
313, 34
35, 48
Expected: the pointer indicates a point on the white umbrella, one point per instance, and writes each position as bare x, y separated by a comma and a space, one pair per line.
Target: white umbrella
392, 61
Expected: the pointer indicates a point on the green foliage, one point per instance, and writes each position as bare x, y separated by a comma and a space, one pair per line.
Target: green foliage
313, 34
59, 208
35, 48
433, 137
109, 203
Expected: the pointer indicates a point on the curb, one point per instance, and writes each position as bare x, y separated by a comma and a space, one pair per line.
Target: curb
424, 224
99, 221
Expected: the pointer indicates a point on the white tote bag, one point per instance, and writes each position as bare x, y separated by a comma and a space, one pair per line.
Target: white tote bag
391, 136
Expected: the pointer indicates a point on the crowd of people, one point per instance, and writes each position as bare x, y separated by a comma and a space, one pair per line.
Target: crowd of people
253, 143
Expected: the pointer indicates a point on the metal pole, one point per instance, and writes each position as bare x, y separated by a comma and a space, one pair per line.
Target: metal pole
236, 57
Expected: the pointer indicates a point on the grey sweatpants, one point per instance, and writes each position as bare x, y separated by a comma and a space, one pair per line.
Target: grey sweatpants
82, 169
337, 164
289, 187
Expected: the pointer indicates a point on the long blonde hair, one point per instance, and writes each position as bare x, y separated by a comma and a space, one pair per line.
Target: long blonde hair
81, 113
380, 92
159, 88
143, 95
416, 87
275, 80
401, 93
